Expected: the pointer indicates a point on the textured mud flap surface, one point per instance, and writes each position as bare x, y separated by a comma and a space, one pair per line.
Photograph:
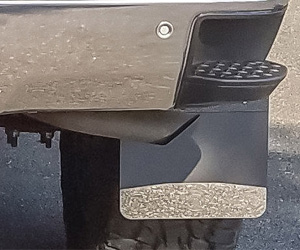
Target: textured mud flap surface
215, 169
193, 200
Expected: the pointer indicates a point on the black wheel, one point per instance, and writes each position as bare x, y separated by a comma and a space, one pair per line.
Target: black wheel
90, 186
172, 234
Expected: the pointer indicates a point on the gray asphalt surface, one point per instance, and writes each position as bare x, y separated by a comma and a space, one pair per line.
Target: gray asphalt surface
30, 196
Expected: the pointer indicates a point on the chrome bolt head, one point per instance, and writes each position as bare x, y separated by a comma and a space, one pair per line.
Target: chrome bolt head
164, 30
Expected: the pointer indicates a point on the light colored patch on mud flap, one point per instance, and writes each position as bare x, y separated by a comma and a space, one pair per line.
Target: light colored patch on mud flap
193, 201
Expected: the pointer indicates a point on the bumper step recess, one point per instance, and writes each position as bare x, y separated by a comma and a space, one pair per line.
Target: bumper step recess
233, 81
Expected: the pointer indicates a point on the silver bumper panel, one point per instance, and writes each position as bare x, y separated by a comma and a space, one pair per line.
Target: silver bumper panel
97, 55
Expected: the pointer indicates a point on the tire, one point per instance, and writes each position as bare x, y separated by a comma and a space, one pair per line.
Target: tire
90, 186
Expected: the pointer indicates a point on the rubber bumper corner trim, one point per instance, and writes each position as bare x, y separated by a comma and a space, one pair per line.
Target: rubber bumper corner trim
193, 201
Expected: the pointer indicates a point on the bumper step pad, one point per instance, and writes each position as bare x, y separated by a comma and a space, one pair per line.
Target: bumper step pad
239, 73
232, 81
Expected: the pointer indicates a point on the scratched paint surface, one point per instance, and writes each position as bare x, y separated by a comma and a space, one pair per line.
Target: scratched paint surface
88, 59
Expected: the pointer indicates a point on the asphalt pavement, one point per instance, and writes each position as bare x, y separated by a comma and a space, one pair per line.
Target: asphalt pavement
30, 196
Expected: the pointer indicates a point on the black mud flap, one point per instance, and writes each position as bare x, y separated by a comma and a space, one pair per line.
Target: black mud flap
216, 168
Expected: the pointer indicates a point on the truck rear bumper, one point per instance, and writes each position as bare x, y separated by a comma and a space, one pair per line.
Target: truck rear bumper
100, 55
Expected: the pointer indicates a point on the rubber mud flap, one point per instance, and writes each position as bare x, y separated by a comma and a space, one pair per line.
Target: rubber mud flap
215, 169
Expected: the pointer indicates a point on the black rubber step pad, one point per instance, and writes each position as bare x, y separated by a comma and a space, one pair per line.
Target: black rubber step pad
250, 71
